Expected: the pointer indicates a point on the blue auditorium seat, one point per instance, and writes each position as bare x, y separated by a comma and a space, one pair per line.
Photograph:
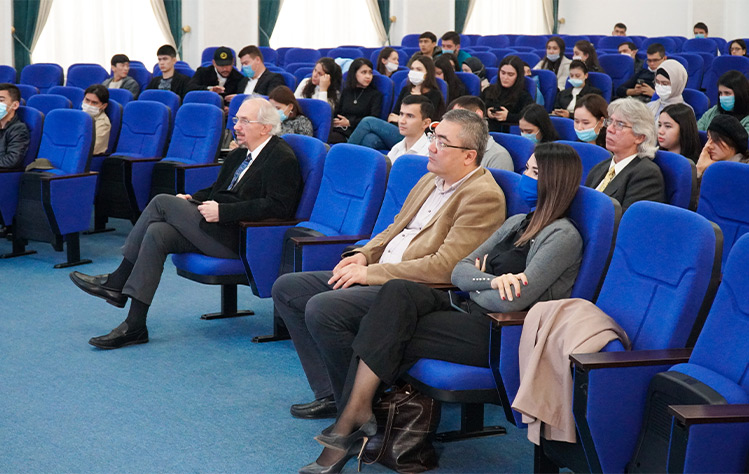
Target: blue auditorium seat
45, 103
74, 93
520, 148
83, 75
42, 76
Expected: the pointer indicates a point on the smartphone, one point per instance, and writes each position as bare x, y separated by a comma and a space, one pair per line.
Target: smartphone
455, 301
195, 201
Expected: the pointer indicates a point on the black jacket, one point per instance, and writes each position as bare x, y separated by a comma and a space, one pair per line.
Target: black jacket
205, 77
267, 82
180, 84
14, 142
640, 180
564, 97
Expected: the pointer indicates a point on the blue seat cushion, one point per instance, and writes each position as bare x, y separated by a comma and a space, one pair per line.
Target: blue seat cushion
730, 390
450, 376
205, 265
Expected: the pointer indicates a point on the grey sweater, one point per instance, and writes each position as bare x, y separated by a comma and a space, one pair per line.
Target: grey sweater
552, 266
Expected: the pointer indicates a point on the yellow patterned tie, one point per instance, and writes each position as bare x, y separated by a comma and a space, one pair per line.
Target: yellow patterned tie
606, 179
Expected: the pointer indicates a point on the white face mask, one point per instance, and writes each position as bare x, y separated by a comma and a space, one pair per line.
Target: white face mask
416, 77
663, 91
579, 58
90, 109
391, 67
3, 110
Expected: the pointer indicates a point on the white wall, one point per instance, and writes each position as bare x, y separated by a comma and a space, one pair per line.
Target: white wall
6, 25
417, 16
231, 23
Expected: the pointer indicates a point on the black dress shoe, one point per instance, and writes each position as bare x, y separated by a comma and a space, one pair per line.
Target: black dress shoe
120, 337
320, 408
94, 285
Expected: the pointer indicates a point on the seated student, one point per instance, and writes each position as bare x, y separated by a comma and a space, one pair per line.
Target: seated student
733, 92
591, 112
14, 135
443, 69
737, 47
726, 141
427, 46
641, 84
700, 30
292, 119
257, 78
220, 77
670, 81
387, 61
475, 66
564, 104
505, 99
631, 175
120, 80
630, 49
451, 45
586, 52
359, 98
620, 29
381, 135
531, 257
536, 126
170, 79
417, 112
451, 210
555, 61
495, 156
261, 181
95, 100
677, 131
324, 83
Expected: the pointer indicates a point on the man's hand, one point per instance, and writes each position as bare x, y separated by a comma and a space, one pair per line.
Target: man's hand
646, 90
186, 197
357, 258
209, 210
561, 113
217, 89
349, 271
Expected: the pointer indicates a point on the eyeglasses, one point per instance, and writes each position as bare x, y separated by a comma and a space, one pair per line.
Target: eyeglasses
243, 121
618, 125
440, 145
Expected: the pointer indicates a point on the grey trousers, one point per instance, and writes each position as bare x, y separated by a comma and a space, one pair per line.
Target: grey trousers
168, 225
322, 323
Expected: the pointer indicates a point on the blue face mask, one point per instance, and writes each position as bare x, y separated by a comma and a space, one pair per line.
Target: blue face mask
530, 136
3, 111
248, 72
586, 135
282, 115
699, 35
448, 51
727, 102
576, 82
528, 190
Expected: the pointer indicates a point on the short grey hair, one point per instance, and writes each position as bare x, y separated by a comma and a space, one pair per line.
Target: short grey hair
474, 131
641, 118
266, 114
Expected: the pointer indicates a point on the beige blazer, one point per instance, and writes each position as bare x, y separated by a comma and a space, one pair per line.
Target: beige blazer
467, 219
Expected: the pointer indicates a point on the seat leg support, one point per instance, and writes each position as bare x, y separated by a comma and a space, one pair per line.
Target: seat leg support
73, 244
19, 249
100, 225
228, 305
280, 333
542, 464
471, 425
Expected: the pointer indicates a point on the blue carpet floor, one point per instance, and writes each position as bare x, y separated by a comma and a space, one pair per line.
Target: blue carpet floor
199, 397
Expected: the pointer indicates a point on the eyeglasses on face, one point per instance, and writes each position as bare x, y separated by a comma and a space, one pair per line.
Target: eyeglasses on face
243, 121
616, 125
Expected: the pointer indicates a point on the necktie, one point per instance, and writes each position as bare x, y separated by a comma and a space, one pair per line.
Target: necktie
243, 166
606, 179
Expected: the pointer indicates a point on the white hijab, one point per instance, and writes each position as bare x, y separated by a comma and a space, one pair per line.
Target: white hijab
678, 77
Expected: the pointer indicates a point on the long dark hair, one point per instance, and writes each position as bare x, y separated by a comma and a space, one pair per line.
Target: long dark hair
587, 47
559, 174
689, 138
536, 115
384, 54
739, 84
509, 95
351, 82
430, 80
454, 84
554, 66
577, 64
334, 70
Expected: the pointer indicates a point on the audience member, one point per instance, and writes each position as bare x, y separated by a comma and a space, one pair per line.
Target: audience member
257, 78
95, 100
292, 118
670, 81
475, 66
443, 69
495, 156
505, 99
631, 175
591, 112
206, 222
387, 61
726, 141
641, 84
564, 105
733, 92
170, 79
324, 84
359, 99
536, 126
220, 77
451, 45
677, 131
452, 209
630, 49
14, 135
586, 52
531, 258
120, 80
737, 47
556, 61
700, 30
427, 46
416, 115
620, 29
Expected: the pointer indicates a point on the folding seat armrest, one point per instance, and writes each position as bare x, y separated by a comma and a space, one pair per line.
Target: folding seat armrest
138, 160
67, 176
196, 166
612, 360
11, 170
703, 414
514, 318
269, 223
443, 286
325, 240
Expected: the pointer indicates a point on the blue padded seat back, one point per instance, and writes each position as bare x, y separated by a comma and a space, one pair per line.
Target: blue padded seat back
603, 82
471, 81
145, 125
619, 67
487, 58
700, 45
611, 42
589, 154
114, 113
301, 55
27, 91
723, 192
698, 100
351, 53
34, 120
659, 273
234, 105
494, 41
310, 152
7, 74
67, 140
204, 97
75, 94
695, 69
520, 148
385, 86
141, 75
547, 81
405, 173
168, 98
510, 184
45, 103
123, 96
196, 135
351, 192
679, 175
565, 127
270, 56
288, 79
42, 76
320, 114
718, 67
537, 41
83, 75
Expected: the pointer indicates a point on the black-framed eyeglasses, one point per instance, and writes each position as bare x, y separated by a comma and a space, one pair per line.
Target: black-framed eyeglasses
440, 145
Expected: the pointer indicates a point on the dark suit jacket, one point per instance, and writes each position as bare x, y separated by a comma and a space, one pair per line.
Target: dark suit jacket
205, 77
180, 84
270, 188
640, 180
267, 82
564, 97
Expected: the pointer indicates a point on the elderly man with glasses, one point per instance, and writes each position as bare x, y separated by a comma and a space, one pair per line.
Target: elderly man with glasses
259, 181
448, 213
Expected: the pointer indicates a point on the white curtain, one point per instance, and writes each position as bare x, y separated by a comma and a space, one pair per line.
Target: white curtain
159, 12
374, 13
548, 6
44, 8
494, 17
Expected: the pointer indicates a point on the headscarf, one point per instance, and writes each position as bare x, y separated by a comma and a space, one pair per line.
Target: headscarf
477, 67
676, 73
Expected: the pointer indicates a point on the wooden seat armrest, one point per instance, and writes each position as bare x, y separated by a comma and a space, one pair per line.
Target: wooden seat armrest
195, 166
138, 160
68, 176
269, 223
513, 318
608, 360
334, 239
11, 170
443, 286
702, 414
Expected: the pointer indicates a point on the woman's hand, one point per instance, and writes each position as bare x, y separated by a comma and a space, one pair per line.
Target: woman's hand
704, 161
500, 115
561, 113
479, 265
393, 118
341, 121
509, 285
324, 82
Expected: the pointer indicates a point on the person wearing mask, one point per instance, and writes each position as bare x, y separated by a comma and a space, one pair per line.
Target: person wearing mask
535, 125
443, 69
95, 100
257, 78
630, 49
505, 99
220, 77
387, 61
170, 79
700, 30
733, 99
14, 134
475, 66
292, 119
586, 52
451, 45
120, 80
620, 29
359, 99
556, 61
495, 156
737, 47
564, 105
324, 83
726, 141
670, 81
677, 131
591, 112
642, 83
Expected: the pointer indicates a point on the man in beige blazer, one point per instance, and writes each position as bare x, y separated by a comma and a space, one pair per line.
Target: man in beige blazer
451, 211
